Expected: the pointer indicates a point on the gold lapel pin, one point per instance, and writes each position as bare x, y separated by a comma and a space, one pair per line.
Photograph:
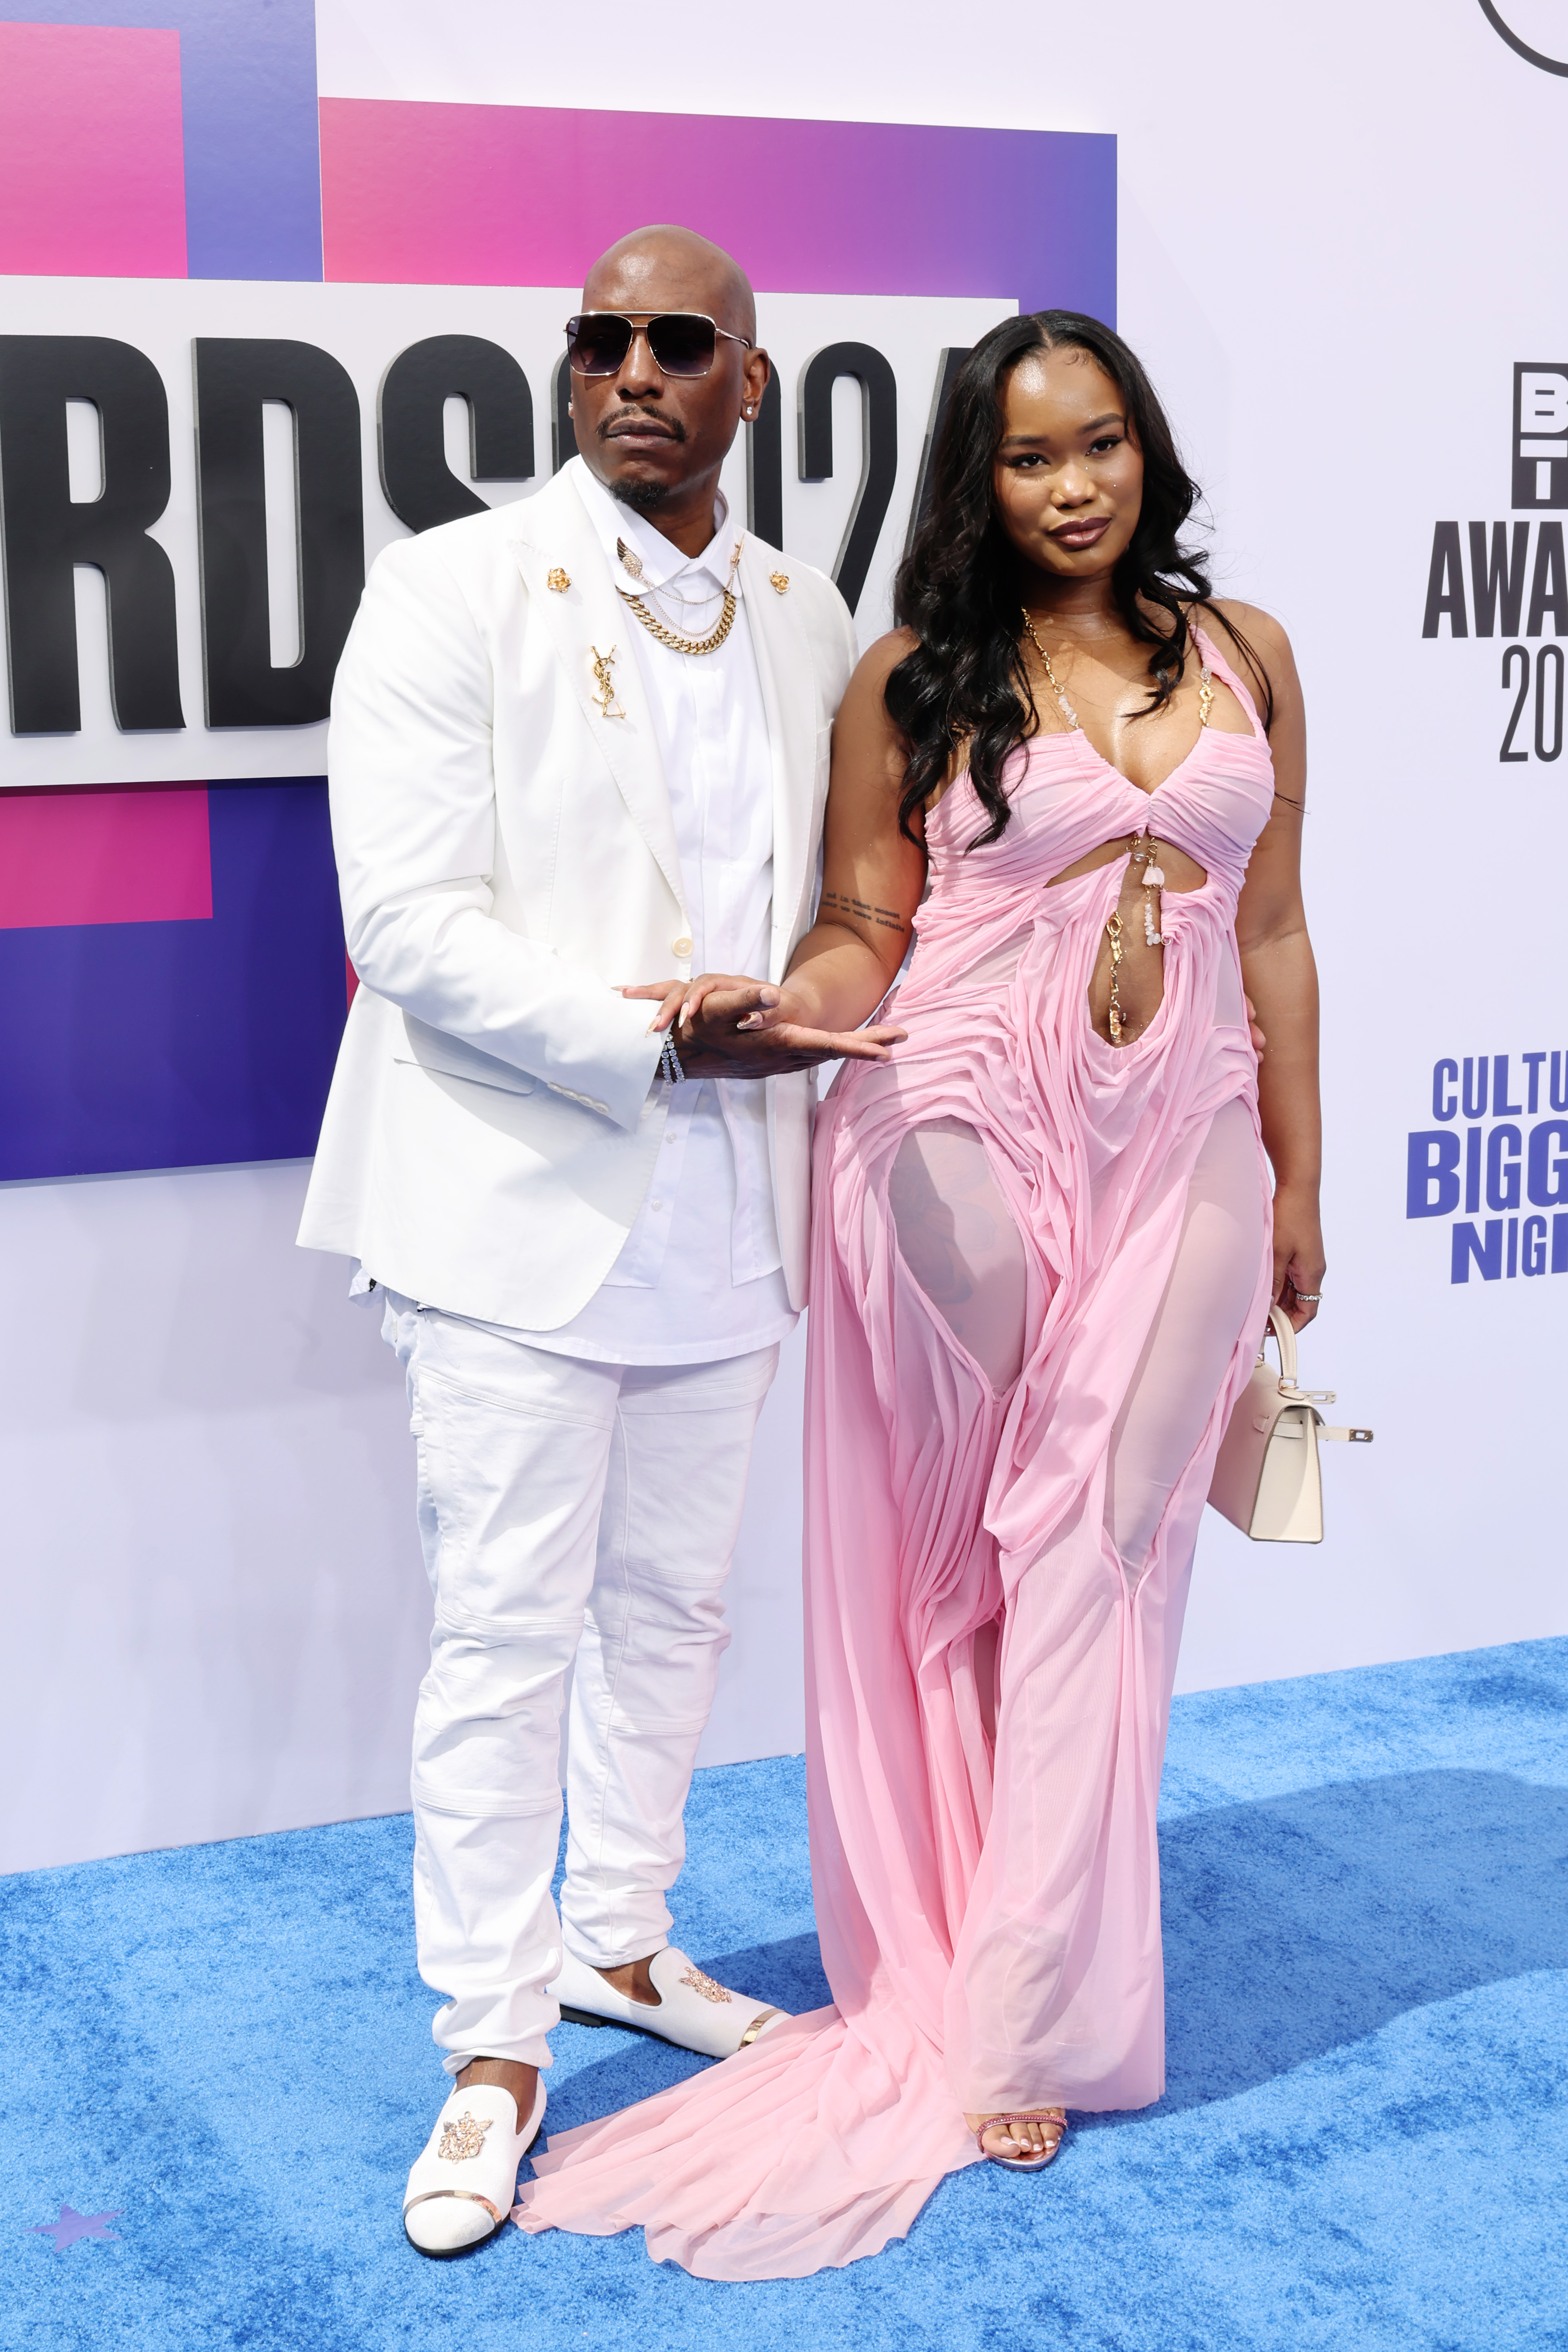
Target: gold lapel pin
604, 685
557, 579
780, 581
631, 562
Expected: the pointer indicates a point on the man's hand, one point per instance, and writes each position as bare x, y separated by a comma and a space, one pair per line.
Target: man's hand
727, 1026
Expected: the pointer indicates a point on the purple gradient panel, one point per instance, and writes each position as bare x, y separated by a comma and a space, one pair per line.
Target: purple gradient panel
499, 195
180, 1044
253, 204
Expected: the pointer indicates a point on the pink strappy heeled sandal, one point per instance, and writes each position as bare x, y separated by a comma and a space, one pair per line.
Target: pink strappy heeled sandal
1024, 2163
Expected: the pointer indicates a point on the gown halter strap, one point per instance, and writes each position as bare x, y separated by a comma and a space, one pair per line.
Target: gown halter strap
1210, 655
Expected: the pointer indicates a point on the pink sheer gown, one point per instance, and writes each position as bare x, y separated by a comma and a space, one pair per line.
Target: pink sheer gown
1040, 1266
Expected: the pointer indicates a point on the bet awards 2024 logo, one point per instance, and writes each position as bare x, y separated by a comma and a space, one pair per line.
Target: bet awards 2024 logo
1509, 578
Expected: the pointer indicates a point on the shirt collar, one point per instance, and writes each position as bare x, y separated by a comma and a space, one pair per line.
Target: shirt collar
661, 560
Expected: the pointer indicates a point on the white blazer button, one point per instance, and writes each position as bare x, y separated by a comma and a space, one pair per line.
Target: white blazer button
680, 947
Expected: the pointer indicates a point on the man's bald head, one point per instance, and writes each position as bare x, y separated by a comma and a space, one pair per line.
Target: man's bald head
670, 269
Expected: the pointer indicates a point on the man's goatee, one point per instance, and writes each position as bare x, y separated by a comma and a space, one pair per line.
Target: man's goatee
643, 498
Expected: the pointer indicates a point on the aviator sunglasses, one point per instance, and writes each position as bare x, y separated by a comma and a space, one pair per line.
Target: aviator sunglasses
682, 342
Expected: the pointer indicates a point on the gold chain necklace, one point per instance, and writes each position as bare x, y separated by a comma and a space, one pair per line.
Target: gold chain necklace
1205, 681
673, 638
1069, 713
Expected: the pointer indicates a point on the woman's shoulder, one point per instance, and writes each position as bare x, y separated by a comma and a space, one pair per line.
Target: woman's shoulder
1253, 641
882, 658
875, 665
1244, 627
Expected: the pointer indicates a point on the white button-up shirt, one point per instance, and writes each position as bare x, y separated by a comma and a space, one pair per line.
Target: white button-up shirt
699, 1274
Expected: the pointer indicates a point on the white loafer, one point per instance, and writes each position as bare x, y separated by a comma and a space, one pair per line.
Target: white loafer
692, 2011
461, 2190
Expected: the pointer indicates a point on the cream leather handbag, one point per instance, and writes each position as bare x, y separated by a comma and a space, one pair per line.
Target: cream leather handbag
1266, 1478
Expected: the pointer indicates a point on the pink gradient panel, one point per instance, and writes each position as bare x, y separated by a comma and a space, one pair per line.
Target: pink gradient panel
92, 170
136, 857
510, 196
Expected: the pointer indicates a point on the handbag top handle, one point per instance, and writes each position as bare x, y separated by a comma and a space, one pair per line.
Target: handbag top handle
1285, 1340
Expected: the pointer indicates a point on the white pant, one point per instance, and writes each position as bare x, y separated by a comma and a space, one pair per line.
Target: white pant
569, 1510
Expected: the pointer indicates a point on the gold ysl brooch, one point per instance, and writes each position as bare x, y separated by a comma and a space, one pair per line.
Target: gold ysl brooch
780, 581
604, 686
462, 2139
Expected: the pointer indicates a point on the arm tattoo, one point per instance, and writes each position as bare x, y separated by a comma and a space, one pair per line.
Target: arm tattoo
834, 902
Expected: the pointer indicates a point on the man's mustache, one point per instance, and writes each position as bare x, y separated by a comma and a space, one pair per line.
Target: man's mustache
646, 421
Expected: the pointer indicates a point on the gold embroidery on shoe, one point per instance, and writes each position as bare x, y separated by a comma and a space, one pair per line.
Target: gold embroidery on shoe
463, 2139
704, 1985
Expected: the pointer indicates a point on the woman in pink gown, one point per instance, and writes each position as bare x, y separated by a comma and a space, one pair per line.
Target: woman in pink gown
1041, 1263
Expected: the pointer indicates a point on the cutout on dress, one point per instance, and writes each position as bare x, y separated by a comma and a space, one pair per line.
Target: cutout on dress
958, 1241
1127, 986
1173, 860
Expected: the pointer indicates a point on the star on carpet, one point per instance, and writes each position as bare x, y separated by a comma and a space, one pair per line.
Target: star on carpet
73, 2225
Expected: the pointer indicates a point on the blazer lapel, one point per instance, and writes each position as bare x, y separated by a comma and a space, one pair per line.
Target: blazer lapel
587, 617
785, 671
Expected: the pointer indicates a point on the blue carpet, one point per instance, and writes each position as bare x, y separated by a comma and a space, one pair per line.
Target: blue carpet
1364, 2142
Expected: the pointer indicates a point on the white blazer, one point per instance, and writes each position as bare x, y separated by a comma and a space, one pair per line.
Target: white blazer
508, 859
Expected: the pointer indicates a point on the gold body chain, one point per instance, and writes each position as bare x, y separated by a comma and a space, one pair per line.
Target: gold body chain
1142, 847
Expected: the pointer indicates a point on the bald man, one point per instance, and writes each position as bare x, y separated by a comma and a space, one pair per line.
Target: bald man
579, 745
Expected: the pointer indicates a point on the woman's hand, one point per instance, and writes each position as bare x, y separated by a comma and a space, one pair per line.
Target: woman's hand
1298, 1253
725, 1026
679, 998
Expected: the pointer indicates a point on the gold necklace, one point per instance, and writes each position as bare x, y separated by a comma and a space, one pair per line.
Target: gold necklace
673, 638
1205, 681
677, 642
1069, 713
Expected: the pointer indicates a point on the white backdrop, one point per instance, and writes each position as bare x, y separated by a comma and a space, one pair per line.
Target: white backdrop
1337, 237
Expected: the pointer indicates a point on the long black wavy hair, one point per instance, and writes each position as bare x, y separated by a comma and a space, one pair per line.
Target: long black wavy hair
958, 587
